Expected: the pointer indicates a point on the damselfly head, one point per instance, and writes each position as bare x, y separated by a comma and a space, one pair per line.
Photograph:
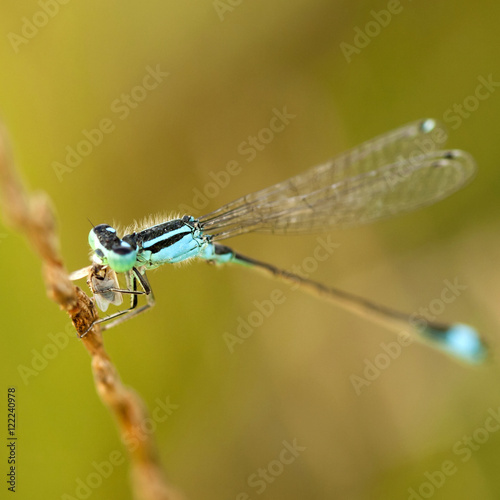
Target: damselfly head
109, 249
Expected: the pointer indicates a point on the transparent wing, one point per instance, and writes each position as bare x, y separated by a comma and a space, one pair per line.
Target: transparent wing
394, 173
81, 273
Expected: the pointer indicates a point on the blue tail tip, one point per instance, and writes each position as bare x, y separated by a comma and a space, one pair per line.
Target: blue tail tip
460, 340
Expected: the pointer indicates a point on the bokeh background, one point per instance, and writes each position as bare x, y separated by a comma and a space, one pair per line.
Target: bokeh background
230, 63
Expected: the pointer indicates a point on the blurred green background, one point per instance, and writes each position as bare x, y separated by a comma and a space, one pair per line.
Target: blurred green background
230, 63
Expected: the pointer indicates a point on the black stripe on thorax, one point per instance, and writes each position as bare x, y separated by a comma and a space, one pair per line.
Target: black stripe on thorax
150, 234
154, 232
160, 245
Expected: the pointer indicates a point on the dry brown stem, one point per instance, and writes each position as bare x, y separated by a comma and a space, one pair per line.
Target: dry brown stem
32, 214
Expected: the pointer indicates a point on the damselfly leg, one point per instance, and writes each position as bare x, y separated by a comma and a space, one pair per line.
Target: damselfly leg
103, 281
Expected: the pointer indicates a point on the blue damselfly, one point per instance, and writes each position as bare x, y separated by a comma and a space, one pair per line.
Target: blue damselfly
394, 173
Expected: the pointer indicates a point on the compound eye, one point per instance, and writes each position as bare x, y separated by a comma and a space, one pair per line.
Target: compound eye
123, 248
131, 239
122, 257
119, 254
104, 227
103, 236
